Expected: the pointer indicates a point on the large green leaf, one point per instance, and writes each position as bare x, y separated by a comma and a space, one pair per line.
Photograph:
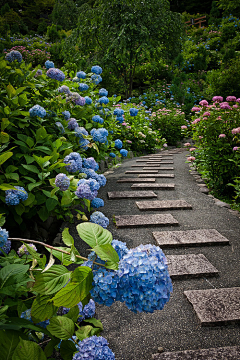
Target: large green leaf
31, 168
73, 313
66, 198
52, 280
67, 349
77, 289
42, 309
95, 322
4, 157
94, 234
16, 323
61, 327
41, 134
35, 255
9, 270
48, 350
67, 238
64, 258
9, 340
83, 332
109, 254
28, 350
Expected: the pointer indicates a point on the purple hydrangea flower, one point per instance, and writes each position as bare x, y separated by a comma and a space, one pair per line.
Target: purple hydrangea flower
23, 249
62, 181
56, 74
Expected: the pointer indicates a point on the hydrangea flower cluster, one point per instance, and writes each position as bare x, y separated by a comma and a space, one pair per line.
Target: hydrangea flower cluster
83, 143
118, 112
96, 69
6, 248
37, 110
84, 313
72, 124
231, 98
99, 218
96, 79
97, 203
133, 111
49, 64
99, 135
24, 251
90, 163
81, 74
38, 73
217, 99
74, 162
98, 119
94, 348
88, 100
112, 155
103, 100
118, 144
120, 119
80, 131
56, 74
62, 181
83, 87
27, 316
80, 101
120, 247
14, 55
123, 152
13, 197
64, 89
66, 115
87, 189
3, 237
103, 92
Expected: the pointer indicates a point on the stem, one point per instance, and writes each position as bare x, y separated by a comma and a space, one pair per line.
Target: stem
52, 247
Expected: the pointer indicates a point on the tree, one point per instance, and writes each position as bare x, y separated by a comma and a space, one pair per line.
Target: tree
65, 13
121, 33
230, 6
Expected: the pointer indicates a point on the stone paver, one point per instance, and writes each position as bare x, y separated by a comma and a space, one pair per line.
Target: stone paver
157, 175
216, 306
143, 160
154, 186
152, 168
138, 165
191, 265
130, 194
145, 220
161, 162
136, 179
189, 238
222, 353
141, 172
163, 205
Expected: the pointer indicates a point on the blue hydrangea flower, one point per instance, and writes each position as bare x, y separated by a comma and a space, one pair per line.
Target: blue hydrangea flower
91, 174
97, 203
103, 92
105, 286
56, 74
110, 131
100, 135
96, 69
84, 313
103, 100
90, 163
74, 162
118, 112
80, 101
98, 119
96, 79
120, 247
49, 64
81, 74
133, 111
88, 100
3, 237
37, 110
118, 144
6, 248
66, 115
72, 124
92, 183
95, 348
123, 152
112, 155
64, 89
83, 143
102, 180
62, 181
99, 218
120, 119
83, 87
13, 197
80, 131
84, 192
14, 55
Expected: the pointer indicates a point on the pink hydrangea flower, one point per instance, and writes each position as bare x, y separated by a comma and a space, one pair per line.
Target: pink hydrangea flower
129, 141
236, 131
195, 121
165, 145
191, 158
238, 100
183, 127
235, 106
195, 109
187, 144
207, 113
225, 105
192, 149
203, 103
217, 99
231, 98
236, 148
222, 136
200, 137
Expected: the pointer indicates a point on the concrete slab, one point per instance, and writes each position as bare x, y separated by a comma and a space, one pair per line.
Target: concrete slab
221, 353
141, 160
129, 180
145, 220
163, 205
162, 162
152, 168
153, 186
138, 165
141, 172
130, 194
198, 237
157, 175
191, 265
216, 306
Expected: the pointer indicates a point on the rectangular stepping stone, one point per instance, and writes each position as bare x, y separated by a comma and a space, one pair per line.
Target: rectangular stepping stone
160, 162
152, 165
191, 265
130, 194
138, 165
141, 160
157, 175
221, 353
153, 186
189, 238
141, 172
216, 306
152, 168
145, 220
163, 205
127, 180
167, 168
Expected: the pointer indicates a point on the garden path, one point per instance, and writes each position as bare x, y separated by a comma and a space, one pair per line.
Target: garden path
201, 242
